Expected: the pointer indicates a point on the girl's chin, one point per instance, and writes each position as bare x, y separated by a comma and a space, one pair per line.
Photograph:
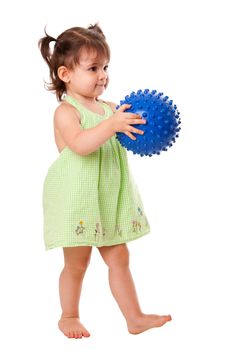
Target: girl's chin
100, 88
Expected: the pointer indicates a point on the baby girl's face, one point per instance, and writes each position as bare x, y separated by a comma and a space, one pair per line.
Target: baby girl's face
90, 76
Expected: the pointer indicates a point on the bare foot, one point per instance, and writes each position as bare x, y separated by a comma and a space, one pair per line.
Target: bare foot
146, 322
72, 327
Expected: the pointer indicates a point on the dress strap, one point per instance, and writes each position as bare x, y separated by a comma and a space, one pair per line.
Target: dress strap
83, 110
74, 103
106, 107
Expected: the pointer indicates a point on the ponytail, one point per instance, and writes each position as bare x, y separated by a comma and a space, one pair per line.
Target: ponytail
45, 47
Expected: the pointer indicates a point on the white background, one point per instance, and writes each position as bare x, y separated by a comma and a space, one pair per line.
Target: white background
184, 267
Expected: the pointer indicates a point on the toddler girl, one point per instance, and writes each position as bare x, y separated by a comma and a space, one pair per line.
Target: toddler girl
89, 195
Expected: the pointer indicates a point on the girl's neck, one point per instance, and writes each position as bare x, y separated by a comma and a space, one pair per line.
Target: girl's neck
85, 100
90, 103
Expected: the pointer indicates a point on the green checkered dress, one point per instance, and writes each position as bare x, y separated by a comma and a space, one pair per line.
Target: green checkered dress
92, 200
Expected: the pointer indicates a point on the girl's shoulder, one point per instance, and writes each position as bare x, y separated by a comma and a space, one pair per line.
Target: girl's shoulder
66, 117
66, 110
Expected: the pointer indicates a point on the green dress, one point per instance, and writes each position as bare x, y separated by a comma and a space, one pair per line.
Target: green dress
92, 200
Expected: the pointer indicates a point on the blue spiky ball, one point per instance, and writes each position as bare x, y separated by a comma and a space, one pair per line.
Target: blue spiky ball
162, 126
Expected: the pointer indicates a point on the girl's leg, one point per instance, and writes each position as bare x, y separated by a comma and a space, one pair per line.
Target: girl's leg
70, 284
123, 289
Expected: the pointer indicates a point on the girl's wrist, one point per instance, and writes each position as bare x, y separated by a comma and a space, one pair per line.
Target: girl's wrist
110, 125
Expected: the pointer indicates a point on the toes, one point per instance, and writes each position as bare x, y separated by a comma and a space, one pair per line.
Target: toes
78, 335
167, 317
85, 333
73, 329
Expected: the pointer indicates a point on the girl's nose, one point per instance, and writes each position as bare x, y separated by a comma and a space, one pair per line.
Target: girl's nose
103, 74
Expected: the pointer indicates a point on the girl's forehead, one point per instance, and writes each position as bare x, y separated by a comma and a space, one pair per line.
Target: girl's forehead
91, 56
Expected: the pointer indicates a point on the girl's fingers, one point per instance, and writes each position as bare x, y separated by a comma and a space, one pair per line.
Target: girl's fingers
133, 116
137, 131
130, 135
135, 121
124, 107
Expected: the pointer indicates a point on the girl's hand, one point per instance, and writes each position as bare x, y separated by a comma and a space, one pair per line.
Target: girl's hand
121, 120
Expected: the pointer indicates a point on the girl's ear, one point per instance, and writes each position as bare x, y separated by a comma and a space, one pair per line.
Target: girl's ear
64, 74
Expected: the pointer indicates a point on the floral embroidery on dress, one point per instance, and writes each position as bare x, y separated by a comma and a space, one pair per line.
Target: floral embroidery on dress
140, 211
98, 229
142, 214
118, 230
136, 226
79, 229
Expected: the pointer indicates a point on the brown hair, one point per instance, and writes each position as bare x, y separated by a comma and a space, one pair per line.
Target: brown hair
67, 49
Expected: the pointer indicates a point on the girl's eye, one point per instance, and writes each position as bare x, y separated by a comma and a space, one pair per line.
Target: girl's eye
93, 69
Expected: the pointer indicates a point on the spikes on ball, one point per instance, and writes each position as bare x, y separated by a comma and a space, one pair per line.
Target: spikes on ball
162, 123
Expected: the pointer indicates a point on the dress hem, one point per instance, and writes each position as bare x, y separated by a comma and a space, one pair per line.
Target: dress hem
94, 244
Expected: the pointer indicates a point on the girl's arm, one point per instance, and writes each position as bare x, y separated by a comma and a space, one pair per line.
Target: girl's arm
81, 141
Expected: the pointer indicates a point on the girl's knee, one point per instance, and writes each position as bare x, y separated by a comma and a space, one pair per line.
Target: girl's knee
115, 256
77, 258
